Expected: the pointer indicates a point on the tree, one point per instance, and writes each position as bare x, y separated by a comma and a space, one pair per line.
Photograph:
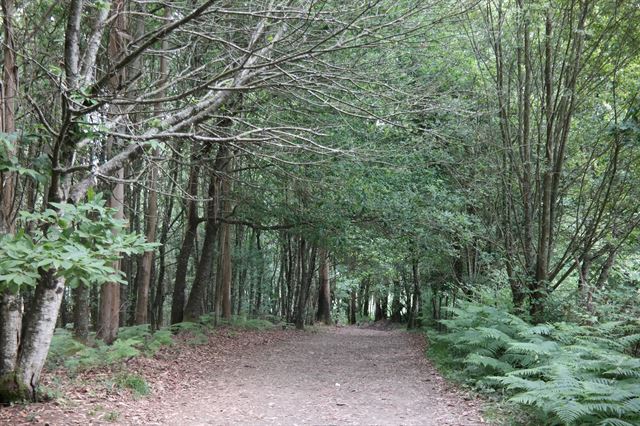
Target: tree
324, 293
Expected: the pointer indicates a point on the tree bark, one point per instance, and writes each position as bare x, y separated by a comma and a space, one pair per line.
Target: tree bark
353, 307
10, 303
324, 294
307, 266
109, 320
182, 262
415, 297
195, 305
225, 251
81, 312
259, 275
144, 283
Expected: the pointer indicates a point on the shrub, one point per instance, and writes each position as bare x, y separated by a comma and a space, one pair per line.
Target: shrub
570, 374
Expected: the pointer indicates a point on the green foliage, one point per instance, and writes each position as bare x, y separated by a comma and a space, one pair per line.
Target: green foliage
132, 341
9, 161
137, 384
248, 323
80, 242
103, 354
570, 374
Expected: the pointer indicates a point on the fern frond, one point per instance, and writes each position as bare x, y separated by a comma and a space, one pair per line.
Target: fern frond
570, 411
614, 422
539, 348
485, 361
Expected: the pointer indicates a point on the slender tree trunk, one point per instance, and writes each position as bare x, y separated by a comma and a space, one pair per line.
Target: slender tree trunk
225, 251
81, 313
195, 305
290, 278
379, 314
110, 292
324, 293
182, 262
239, 268
144, 283
142, 300
157, 311
415, 297
396, 304
307, 266
10, 304
259, 275
353, 307
366, 296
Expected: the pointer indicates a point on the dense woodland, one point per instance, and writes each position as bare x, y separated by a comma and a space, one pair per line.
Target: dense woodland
467, 166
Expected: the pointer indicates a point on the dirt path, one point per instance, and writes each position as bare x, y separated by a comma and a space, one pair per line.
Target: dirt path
342, 376
338, 376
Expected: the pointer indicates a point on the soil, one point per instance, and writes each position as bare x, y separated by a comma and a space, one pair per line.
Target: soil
333, 376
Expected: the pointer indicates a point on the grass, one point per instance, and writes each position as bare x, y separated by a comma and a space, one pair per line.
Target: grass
111, 416
134, 382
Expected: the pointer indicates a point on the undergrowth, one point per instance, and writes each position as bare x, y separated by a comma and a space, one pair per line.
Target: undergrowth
134, 382
133, 341
565, 373
67, 352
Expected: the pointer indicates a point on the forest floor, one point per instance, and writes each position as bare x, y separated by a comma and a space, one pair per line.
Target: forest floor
332, 376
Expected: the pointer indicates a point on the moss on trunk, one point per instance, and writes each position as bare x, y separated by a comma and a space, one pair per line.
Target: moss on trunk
13, 390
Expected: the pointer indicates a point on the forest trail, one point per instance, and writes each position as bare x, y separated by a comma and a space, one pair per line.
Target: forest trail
337, 376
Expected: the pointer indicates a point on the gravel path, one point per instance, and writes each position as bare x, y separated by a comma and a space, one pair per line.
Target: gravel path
339, 376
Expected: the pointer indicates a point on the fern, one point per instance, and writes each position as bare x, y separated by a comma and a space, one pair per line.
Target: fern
571, 374
614, 422
485, 361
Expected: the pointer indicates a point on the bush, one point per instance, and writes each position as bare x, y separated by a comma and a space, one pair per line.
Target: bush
570, 374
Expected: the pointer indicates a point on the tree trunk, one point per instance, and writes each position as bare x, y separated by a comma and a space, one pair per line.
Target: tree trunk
225, 252
259, 275
81, 312
307, 266
157, 312
182, 262
144, 283
379, 314
21, 382
10, 304
415, 297
396, 304
10, 327
142, 300
110, 292
239, 269
366, 297
353, 307
195, 305
324, 294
